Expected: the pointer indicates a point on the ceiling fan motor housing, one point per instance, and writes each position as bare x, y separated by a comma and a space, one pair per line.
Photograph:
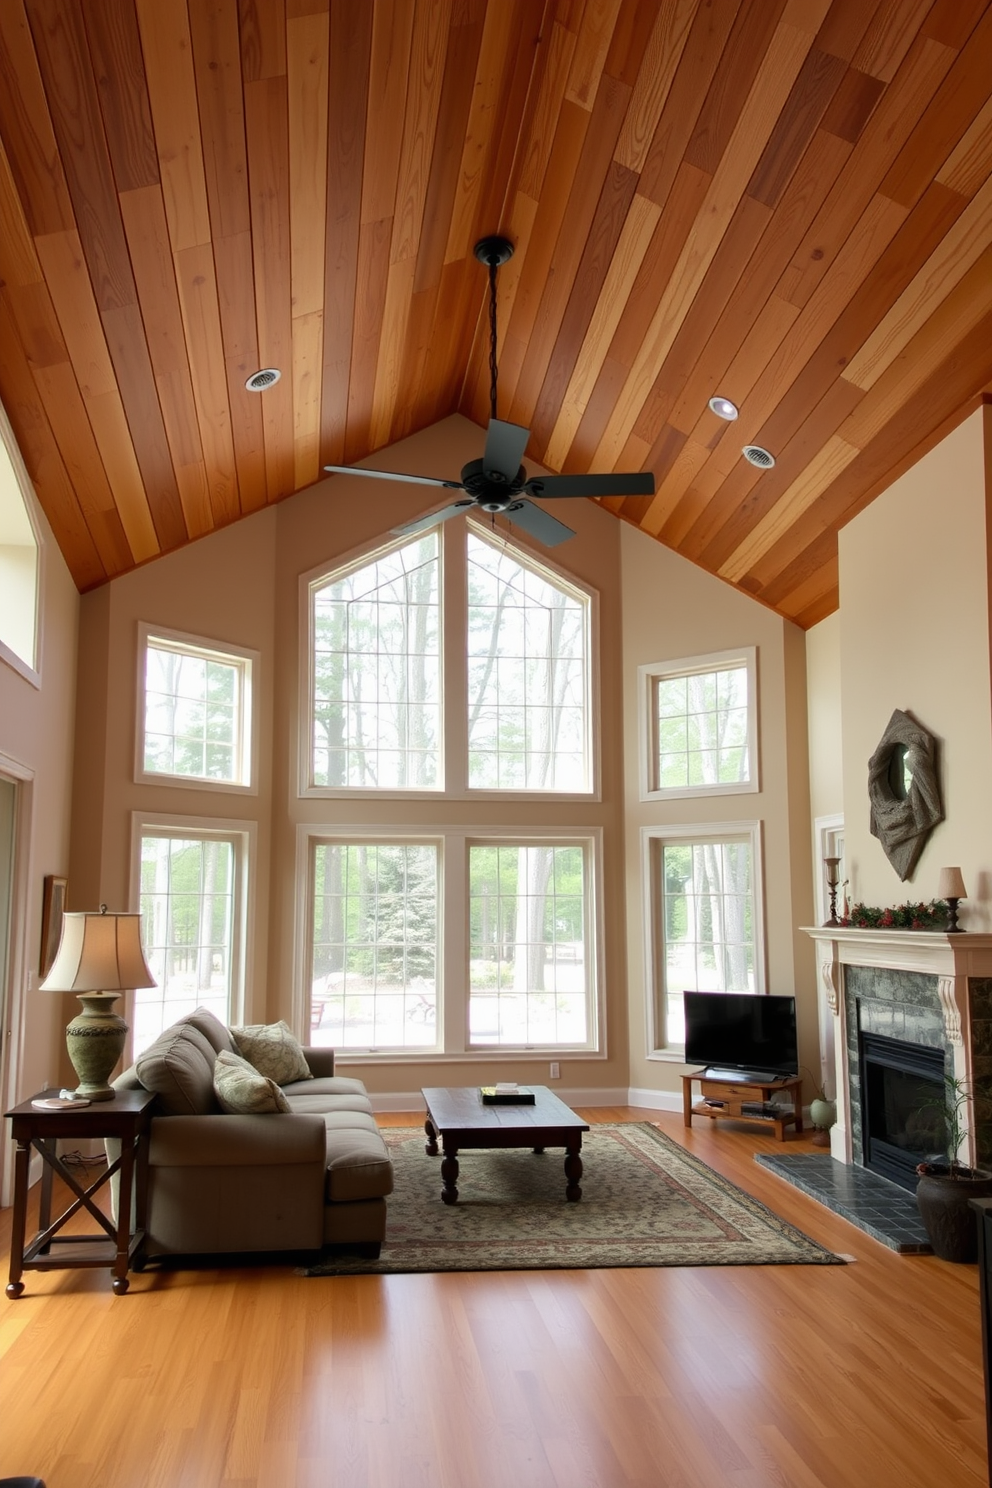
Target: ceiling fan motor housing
490, 488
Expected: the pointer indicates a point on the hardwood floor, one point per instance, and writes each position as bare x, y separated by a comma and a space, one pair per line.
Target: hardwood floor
721, 1377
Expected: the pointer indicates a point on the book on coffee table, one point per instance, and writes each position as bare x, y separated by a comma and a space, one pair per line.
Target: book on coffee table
506, 1094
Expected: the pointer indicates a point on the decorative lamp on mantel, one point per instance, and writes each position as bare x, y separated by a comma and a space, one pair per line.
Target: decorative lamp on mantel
99, 957
950, 886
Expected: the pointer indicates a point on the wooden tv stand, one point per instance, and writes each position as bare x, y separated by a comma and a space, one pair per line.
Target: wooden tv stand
727, 1097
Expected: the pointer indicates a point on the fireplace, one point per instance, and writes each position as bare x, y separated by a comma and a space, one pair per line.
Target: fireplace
929, 990
902, 1089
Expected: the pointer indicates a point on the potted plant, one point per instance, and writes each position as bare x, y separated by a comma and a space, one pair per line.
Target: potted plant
946, 1188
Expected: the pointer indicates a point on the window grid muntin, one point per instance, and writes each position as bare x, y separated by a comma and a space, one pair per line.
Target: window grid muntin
223, 736
704, 708
415, 1000
548, 749
735, 957
552, 1017
412, 758
179, 989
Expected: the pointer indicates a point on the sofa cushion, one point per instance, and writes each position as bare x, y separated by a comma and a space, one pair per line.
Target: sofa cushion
345, 1104
328, 1085
274, 1050
242, 1091
216, 1033
358, 1167
179, 1068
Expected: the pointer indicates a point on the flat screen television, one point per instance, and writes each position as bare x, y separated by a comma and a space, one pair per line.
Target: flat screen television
737, 1033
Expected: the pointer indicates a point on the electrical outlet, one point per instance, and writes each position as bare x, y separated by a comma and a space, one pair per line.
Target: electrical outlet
555, 1070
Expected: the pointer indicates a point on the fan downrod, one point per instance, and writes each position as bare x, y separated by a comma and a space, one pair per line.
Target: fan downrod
493, 251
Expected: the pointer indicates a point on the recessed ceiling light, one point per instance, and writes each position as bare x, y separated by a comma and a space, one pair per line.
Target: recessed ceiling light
259, 381
723, 408
758, 456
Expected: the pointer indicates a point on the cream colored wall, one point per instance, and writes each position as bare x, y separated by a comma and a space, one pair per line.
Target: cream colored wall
242, 585
331, 520
914, 634
826, 738
36, 741
673, 609
220, 588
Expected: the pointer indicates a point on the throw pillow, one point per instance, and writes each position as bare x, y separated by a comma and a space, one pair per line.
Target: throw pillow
242, 1091
274, 1050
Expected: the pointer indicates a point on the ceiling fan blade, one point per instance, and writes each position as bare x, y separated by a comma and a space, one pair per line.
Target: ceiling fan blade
540, 524
639, 483
421, 524
505, 446
417, 480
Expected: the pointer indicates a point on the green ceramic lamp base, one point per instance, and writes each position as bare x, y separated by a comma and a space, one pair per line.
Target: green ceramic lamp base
95, 1041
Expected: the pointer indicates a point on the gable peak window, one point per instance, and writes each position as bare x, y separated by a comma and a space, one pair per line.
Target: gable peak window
454, 662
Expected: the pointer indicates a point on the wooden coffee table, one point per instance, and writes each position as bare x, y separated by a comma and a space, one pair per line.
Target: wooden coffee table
458, 1118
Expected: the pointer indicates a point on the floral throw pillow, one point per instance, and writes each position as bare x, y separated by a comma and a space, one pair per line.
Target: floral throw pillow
242, 1091
274, 1050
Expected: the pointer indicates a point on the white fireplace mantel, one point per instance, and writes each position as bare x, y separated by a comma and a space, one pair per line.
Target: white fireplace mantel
952, 959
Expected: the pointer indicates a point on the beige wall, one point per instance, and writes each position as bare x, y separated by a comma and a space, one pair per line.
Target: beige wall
914, 634
221, 589
36, 741
673, 609
826, 738
243, 585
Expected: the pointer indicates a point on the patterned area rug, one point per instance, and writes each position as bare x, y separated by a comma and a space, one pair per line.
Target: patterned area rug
645, 1202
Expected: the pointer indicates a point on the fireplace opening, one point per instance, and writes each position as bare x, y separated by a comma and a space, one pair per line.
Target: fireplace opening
902, 1094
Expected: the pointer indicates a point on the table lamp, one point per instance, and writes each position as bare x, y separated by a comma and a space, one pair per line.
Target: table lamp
950, 886
99, 957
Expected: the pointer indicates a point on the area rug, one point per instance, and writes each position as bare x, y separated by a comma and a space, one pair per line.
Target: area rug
645, 1202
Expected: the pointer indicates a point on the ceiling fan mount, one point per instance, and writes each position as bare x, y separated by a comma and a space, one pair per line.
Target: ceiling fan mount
499, 482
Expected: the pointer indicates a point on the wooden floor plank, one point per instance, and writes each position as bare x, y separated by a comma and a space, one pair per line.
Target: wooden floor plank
713, 1377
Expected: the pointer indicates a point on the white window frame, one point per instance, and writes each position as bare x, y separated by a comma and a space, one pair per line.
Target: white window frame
453, 951
453, 751
243, 837
247, 662
648, 678
29, 670
653, 840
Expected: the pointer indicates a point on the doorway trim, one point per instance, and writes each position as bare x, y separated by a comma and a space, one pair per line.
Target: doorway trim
18, 973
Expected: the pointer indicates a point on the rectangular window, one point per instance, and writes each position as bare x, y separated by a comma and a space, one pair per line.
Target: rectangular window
527, 981
705, 911
528, 675
699, 732
196, 714
375, 919
376, 672
191, 900
511, 964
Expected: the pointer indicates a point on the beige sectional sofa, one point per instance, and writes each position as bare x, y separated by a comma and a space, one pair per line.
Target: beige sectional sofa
314, 1176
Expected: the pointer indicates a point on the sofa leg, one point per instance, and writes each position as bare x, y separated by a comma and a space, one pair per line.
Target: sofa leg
369, 1249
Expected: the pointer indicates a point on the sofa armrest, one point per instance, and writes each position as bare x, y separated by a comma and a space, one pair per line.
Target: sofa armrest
237, 1141
321, 1061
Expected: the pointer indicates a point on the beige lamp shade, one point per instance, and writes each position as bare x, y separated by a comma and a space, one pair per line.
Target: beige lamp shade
950, 885
99, 952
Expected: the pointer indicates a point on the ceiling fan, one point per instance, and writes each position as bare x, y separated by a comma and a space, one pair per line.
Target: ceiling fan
498, 482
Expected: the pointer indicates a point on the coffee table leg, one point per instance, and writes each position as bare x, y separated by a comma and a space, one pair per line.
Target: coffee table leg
573, 1172
449, 1175
431, 1130
538, 1151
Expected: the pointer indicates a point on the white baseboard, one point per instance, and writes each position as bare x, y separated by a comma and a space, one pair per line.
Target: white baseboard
655, 1100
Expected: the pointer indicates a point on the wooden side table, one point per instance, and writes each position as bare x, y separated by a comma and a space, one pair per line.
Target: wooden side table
739, 1098
126, 1117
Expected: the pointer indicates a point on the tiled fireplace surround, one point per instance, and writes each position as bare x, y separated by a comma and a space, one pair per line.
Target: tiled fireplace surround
922, 987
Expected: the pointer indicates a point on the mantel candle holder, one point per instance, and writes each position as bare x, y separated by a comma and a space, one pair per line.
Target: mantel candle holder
832, 866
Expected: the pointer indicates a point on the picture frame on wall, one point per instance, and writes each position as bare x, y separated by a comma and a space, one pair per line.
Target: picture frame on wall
52, 909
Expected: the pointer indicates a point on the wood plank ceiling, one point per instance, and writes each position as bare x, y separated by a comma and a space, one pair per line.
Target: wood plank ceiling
788, 202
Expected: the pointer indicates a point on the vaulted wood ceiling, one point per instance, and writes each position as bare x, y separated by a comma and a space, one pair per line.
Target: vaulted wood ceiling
788, 202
